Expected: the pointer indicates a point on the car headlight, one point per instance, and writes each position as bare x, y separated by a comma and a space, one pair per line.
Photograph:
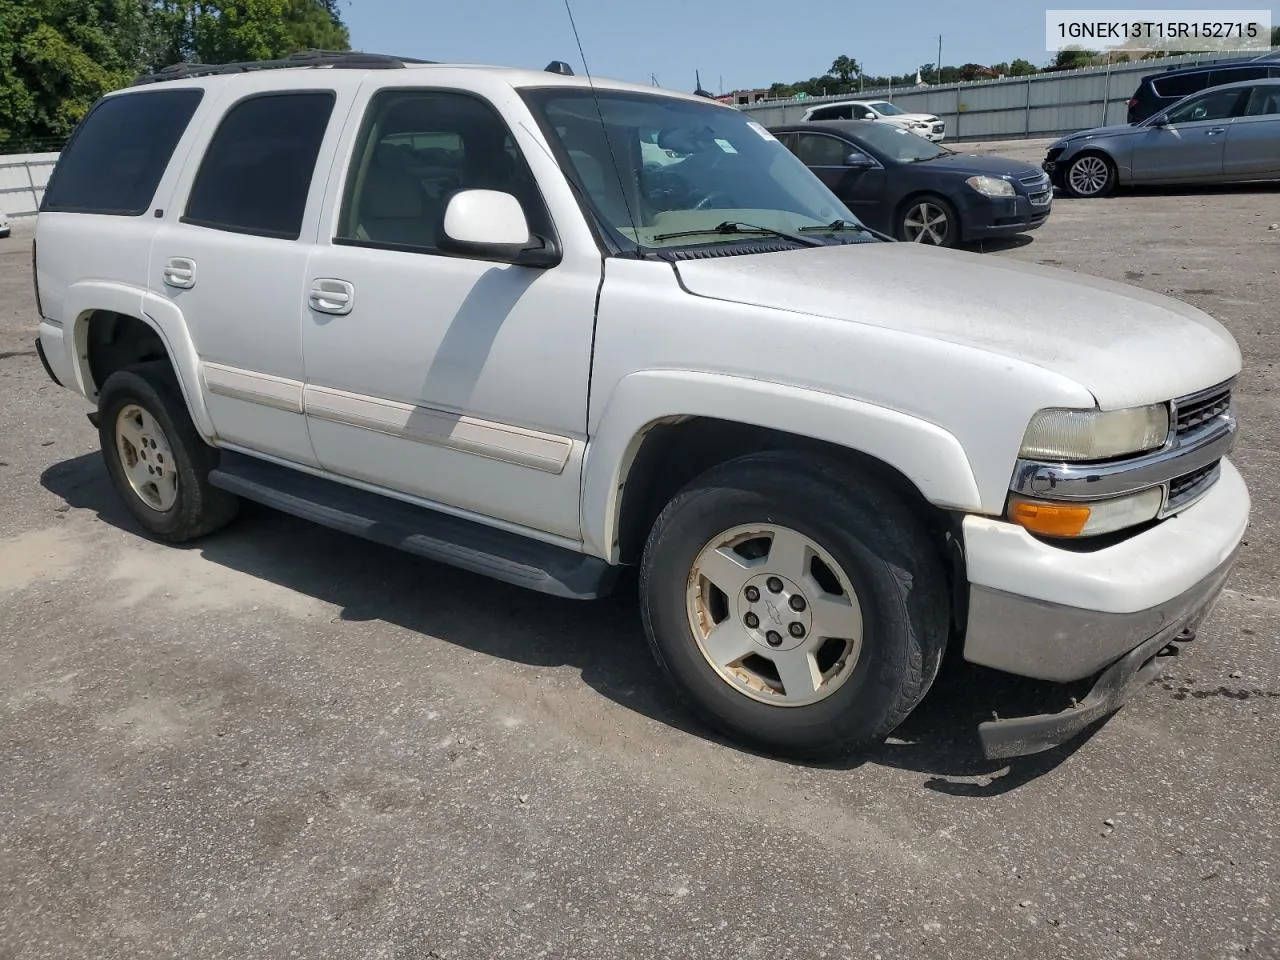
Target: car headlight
991, 186
1071, 435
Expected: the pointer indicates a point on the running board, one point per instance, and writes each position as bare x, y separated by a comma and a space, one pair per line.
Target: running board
428, 533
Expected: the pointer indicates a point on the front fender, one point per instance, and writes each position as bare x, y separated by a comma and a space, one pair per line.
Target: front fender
84, 299
930, 457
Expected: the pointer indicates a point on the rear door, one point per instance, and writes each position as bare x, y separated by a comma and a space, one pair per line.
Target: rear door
1253, 139
232, 253
1190, 145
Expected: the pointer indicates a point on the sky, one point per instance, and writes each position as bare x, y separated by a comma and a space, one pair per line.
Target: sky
734, 43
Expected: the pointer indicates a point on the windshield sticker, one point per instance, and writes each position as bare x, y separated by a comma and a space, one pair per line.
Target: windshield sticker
764, 134
726, 146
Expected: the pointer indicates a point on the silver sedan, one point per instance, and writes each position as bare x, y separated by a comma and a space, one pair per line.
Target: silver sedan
1224, 134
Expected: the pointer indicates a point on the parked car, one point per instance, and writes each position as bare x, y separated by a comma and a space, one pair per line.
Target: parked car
4, 225
915, 190
442, 307
923, 124
1160, 90
1226, 134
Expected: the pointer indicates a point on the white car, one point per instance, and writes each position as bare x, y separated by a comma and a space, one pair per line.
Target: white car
452, 310
4, 225
923, 124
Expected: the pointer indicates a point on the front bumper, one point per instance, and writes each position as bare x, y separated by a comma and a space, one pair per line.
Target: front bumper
1042, 611
1003, 216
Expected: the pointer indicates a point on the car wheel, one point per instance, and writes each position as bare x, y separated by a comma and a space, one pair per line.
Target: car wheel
156, 459
797, 606
929, 219
1090, 175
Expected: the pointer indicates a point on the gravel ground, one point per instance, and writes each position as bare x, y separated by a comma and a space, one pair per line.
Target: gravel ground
284, 742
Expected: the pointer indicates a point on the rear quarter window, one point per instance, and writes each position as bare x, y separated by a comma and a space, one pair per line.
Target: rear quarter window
1176, 87
117, 155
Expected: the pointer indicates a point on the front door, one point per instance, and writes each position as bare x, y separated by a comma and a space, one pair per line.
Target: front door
449, 379
1190, 145
1253, 140
860, 184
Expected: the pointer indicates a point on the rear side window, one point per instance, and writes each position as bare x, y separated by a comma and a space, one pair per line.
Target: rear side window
256, 174
115, 159
1231, 75
1177, 87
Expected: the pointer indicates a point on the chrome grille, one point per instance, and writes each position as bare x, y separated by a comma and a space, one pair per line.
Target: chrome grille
1193, 412
1042, 198
1185, 490
1032, 179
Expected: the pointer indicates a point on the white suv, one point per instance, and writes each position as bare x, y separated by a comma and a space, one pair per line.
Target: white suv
452, 309
922, 124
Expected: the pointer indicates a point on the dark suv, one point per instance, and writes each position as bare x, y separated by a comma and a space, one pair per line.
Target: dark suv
1160, 90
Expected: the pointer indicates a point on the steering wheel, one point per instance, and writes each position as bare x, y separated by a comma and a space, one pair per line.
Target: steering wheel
708, 202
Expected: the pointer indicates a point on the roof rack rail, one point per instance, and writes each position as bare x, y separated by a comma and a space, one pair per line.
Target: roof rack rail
346, 59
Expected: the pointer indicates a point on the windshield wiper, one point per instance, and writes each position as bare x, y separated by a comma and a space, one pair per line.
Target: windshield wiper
737, 226
836, 226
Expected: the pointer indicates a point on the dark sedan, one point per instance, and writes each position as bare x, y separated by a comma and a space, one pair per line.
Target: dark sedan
904, 185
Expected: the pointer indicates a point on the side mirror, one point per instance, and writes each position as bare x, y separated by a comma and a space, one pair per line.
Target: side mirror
486, 224
1161, 121
858, 161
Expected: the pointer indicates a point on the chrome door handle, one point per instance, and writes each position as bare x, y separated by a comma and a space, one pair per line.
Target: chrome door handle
180, 272
332, 296
1212, 130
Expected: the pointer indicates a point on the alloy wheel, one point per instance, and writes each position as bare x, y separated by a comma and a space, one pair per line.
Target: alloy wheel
1089, 176
774, 615
146, 457
926, 222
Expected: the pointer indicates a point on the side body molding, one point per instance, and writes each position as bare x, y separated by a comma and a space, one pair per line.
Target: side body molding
925, 453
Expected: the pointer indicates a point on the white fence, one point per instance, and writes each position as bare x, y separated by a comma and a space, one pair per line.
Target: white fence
22, 180
1046, 104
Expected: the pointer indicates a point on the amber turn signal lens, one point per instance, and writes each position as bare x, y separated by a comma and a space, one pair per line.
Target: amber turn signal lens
1050, 519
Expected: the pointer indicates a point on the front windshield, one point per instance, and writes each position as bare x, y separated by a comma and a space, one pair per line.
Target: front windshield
899, 144
886, 109
681, 166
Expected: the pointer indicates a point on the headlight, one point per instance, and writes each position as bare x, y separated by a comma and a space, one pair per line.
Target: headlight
991, 186
1060, 519
1059, 434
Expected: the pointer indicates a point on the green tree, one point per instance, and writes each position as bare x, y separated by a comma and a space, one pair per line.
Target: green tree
1022, 68
845, 69
1071, 58
58, 56
1275, 36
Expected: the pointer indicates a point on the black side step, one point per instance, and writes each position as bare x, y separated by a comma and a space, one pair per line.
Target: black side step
428, 533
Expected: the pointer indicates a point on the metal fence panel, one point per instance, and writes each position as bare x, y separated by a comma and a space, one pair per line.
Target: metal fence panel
22, 182
1042, 105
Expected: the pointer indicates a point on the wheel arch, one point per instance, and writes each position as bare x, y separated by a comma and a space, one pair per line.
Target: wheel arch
106, 313
661, 428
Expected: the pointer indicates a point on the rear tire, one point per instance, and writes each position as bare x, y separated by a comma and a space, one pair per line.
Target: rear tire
157, 461
772, 672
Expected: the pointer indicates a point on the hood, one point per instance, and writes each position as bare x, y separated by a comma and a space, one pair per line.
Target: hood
1125, 345
1111, 131
972, 163
922, 117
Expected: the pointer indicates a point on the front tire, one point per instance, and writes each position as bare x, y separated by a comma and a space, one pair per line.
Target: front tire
1090, 175
929, 219
157, 461
798, 606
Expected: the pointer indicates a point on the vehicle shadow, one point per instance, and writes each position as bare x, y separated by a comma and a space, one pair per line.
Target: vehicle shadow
1000, 244
603, 640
